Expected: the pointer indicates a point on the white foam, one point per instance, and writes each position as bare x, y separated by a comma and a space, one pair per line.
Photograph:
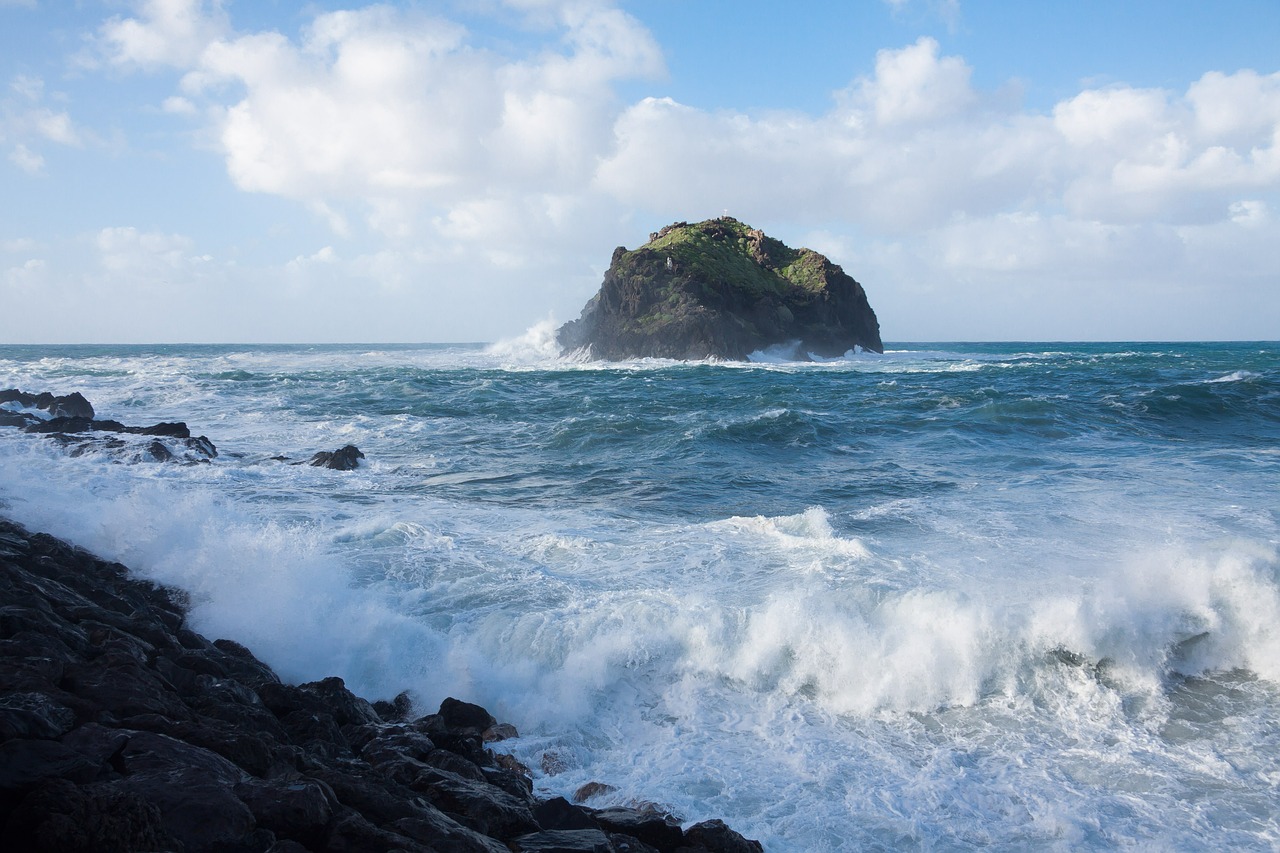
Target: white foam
816, 681
1234, 376
536, 346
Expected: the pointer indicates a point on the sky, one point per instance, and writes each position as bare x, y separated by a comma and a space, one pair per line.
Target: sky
461, 170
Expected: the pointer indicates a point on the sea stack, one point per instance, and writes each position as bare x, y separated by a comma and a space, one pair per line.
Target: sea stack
721, 289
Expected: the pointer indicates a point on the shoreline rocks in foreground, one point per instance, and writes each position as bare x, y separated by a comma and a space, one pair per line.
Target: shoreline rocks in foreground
72, 422
121, 729
721, 289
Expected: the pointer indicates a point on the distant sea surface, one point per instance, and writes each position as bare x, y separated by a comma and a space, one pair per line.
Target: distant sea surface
955, 597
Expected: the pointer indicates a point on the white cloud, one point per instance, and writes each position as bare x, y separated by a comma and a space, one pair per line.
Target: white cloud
303, 262
17, 245
178, 106
394, 127
901, 150
28, 275
166, 33
1250, 212
912, 85
394, 111
145, 257
28, 87
27, 123
26, 159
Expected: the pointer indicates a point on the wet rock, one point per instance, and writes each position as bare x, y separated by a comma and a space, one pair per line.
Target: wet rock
590, 790
122, 729
559, 813
61, 817
398, 710
72, 405
657, 830
715, 837
343, 459
485, 808
299, 809
564, 841
33, 715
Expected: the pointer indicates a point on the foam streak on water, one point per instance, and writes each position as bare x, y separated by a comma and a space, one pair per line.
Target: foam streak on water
952, 597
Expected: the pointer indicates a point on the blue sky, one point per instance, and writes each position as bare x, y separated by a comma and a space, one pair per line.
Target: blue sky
461, 170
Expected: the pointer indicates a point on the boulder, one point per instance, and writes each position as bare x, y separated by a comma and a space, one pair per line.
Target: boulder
343, 459
72, 405
715, 837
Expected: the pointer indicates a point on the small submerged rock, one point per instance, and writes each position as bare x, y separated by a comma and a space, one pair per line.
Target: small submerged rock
343, 459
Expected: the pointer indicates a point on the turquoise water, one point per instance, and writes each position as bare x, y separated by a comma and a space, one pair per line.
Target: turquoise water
956, 596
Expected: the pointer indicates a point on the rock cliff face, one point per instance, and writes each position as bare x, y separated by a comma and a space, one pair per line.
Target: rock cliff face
721, 289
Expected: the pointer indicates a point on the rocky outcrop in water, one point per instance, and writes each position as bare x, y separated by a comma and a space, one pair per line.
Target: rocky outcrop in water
69, 406
121, 729
72, 423
343, 459
721, 289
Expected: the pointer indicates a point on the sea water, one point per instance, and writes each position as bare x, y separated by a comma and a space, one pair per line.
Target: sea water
1013, 596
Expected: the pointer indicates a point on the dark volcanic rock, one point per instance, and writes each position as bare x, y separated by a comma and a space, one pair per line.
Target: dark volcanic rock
72, 405
72, 423
343, 459
121, 730
720, 289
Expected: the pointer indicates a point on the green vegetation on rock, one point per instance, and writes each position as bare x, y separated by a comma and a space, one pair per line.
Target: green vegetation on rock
721, 289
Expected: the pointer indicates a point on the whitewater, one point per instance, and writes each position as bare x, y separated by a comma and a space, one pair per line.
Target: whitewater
956, 596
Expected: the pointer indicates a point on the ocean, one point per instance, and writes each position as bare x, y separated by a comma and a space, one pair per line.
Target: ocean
956, 596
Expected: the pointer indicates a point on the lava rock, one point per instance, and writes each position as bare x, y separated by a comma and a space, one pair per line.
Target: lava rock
343, 459
122, 729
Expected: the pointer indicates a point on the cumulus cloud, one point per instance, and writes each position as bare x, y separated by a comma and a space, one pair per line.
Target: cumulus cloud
165, 33
27, 123
398, 124
26, 159
395, 111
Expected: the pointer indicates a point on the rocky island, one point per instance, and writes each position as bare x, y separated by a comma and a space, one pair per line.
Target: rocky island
721, 289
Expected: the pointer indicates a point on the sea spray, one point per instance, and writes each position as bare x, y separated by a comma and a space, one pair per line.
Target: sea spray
950, 597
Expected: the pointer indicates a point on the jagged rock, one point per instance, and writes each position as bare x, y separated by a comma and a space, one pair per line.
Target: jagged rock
122, 729
657, 830
720, 289
72, 423
61, 817
715, 837
343, 459
299, 809
592, 789
33, 715
73, 405
559, 813
397, 710
564, 841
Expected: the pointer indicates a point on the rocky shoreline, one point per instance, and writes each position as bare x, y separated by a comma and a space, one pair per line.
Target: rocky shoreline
121, 729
